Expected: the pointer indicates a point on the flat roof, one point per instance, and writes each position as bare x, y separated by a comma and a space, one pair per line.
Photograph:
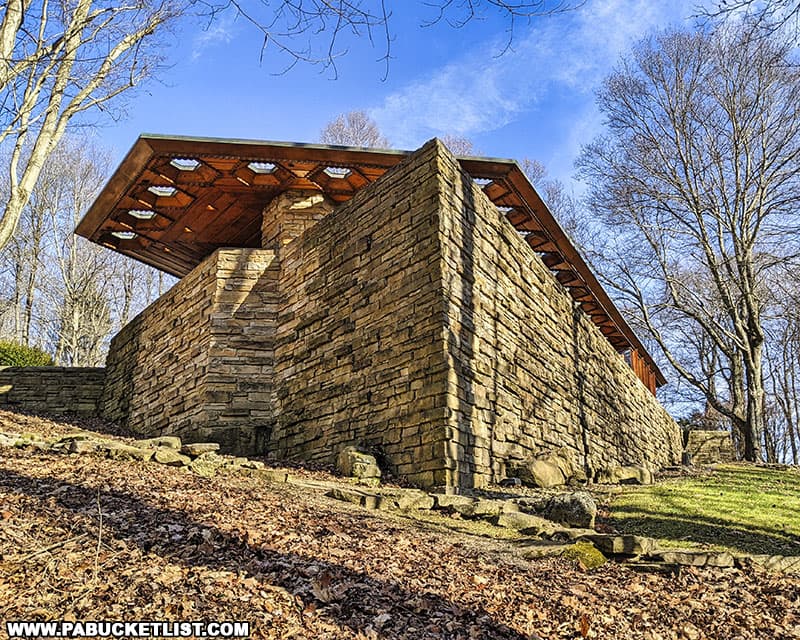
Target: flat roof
174, 200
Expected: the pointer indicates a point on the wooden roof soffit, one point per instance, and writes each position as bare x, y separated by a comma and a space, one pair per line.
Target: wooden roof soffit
173, 201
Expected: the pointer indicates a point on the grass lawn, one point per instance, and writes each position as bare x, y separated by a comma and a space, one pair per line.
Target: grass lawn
737, 507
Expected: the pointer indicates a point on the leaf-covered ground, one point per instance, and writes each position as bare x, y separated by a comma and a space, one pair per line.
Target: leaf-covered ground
89, 538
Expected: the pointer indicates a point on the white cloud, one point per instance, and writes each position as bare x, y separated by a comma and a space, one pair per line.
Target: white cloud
220, 31
477, 93
480, 92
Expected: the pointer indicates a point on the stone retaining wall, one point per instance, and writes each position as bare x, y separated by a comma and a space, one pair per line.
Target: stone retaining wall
55, 390
710, 447
530, 371
198, 361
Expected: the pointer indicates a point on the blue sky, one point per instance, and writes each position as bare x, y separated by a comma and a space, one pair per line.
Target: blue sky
536, 100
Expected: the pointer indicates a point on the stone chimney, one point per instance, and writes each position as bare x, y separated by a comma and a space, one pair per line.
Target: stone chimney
289, 214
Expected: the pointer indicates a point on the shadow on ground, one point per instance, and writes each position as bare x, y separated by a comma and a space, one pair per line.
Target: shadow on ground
134, 521
704, 530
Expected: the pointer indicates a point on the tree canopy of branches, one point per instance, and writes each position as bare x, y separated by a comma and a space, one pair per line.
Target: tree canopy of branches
353, 129
459, 145
698, 180
60, 59
764, 17
59, 291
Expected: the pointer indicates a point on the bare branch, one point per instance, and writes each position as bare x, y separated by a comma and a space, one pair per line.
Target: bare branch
686, 181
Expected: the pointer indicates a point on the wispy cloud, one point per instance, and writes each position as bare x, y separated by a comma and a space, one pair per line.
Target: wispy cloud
220, 31
478, 92
481, 92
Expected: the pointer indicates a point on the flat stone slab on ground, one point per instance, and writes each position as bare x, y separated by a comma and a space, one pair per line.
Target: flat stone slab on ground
119, 451
693, 557
194, 449
569, 533
402, 500
170, 457
621, 545
458, 503
412, 500
543, 549
82, 446
206, 465
173, 442
490, 508
524, 523
367, 499
784, 564
8, 440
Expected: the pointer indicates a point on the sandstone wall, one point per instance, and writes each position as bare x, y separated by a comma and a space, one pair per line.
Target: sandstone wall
710, 447
198, 361
289, 215
56, 390
359, 349
531, 372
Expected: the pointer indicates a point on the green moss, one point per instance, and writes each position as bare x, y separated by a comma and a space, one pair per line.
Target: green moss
585, 554
737, 507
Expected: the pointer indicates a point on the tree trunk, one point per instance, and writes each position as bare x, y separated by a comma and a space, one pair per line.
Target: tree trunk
30, 288
792, 415
754, 427
18, 300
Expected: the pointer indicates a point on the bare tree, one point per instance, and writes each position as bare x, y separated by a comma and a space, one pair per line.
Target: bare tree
459, 145
698, 181
326, 25
763, 17
69, 294
564, 205
58, 60
783, 364
353, 129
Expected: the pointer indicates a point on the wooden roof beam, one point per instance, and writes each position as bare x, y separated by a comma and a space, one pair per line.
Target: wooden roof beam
568, 278
538, 241
554, 260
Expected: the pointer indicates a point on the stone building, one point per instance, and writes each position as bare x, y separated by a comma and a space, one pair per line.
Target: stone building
425, 307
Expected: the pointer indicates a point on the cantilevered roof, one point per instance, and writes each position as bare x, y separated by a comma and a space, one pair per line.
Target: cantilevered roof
174, 200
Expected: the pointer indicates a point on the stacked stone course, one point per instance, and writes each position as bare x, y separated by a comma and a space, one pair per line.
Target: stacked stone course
710, 447
531, 372
198, 362
359, 357
56, 390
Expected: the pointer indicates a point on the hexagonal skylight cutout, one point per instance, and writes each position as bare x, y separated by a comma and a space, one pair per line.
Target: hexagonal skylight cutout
142, 214
185, 164
162, 191
262, 167
337, 172
124, 235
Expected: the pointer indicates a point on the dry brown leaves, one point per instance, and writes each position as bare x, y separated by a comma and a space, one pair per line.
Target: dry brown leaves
175, 546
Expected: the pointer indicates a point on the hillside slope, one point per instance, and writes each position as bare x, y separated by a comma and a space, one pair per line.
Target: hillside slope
89, 538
